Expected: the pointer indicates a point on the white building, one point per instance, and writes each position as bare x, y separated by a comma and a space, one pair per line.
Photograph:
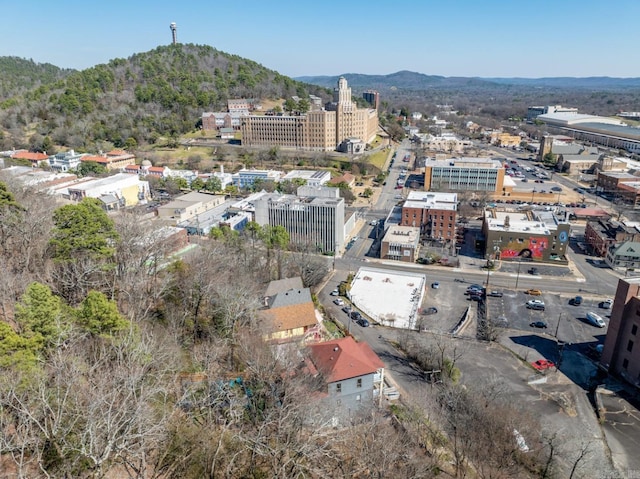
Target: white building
312, 177
246, 178
66, 161
128, 189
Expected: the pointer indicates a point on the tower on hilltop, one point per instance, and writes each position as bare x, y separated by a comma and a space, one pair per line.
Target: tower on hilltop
174, 32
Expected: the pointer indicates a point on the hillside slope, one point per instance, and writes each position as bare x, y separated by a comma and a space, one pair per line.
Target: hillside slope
162, 92
18, 75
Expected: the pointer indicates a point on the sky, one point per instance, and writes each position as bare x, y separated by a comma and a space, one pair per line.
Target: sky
471, 38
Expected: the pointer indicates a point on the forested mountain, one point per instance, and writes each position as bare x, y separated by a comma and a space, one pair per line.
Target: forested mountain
138, 99
407, 80
18, 75
402, 80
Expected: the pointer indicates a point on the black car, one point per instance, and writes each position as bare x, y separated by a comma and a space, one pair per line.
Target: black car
538, 324
363, 322
356, 316
431, 310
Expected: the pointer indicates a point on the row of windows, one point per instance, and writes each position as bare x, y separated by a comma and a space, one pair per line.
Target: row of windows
339, 385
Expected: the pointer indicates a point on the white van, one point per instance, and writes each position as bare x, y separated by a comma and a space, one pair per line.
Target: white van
595, 319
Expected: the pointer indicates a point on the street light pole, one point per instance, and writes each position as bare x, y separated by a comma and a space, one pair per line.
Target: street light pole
518, 273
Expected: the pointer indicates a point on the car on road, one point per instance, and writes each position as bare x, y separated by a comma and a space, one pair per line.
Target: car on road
373, 223
431, 310
435, 285
346, 310
533, 271
495, 294
335, 292
356, 316
362, 322
534, 292
538, 324
535, 304
338, 301
542, 364
475, 297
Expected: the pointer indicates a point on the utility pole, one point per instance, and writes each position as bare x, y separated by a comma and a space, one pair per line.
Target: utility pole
518, 273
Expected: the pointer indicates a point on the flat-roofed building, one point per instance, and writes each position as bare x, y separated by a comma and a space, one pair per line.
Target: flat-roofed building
246, 178
433, 213
127, 188
312, 177
464, 174
531, 235
188, 206
314, 223
621, 352
316, 130
400, 243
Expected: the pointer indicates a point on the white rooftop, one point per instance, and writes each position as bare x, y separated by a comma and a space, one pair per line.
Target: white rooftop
405, 235
389, 297
428, 199
467, 162
519, 222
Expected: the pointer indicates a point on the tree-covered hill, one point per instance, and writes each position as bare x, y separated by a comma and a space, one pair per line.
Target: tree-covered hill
18, 75
162, 92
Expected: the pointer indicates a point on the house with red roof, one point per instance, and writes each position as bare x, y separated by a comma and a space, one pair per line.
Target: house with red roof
33, 157
113, 160
350, 372
347, 178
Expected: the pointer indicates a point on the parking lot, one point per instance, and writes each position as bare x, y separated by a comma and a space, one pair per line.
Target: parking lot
564, 321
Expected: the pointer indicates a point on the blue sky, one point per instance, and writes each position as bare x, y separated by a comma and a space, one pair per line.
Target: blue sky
491, 38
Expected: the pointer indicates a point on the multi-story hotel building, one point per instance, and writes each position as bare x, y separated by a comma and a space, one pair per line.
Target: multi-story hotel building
433, 213
464, 174
621, 352
312, 222
317, 130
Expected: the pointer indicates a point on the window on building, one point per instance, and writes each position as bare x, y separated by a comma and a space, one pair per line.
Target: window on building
359, 383
630, 346
634, 329
625, 364
358, 398
338, 388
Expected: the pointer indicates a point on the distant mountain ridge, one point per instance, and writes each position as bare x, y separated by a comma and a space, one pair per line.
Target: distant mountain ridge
408, 80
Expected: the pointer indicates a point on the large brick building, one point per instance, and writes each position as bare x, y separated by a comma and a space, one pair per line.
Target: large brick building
601, 235
621, 353
317, 130
433, 213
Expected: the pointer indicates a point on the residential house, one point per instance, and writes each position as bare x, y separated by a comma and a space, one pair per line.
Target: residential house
350, 371
289, 314
624, 257
33, 157
346, 178
63, 162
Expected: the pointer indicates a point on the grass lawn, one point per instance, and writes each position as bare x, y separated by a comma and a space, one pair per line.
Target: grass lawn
378, 158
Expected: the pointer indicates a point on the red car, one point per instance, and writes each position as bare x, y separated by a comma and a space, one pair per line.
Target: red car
542, 364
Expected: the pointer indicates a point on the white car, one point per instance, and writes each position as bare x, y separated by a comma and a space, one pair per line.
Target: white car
338, 301
595, 319
335, 292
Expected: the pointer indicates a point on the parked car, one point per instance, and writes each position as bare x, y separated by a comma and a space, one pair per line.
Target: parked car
356, 316
534, 292
533, 271
595, 319
346, 310
362, 322
373, 223
606, 304
495, 294
435, 285
431, 310
577, 301
338, 301
538, 324
542, 364
535, 304
335, 292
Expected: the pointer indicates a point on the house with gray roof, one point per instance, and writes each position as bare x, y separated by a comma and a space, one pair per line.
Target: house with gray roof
624, 257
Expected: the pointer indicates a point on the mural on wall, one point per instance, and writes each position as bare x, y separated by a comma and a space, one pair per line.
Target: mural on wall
532, 248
